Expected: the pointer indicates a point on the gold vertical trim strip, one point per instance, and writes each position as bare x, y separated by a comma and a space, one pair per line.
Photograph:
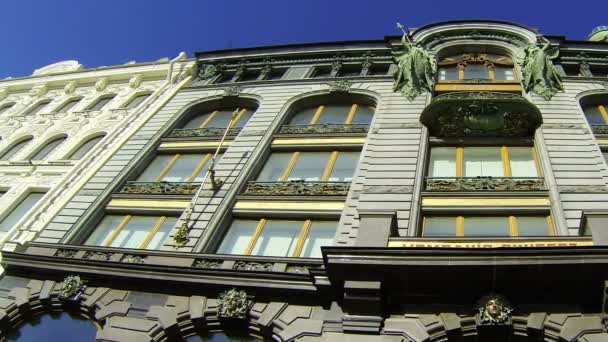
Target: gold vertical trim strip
208, 120
256, 235
491, 72
331, 162
539, 171
551, 226
317, 115
239, 116
302, 238
290, 166
460, 226
459, 162
351, 114
199, 167
461, 71
164, 171
117, 230
604, 113
513, 226
153, 232
424, 222
506, 161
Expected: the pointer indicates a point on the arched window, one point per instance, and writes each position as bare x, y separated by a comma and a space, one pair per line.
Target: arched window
8, 154
476, 66
37, 107
334, 113
85, 148
595, 108
55, 327
220, 118
48, 148
101, 102
4, 108
67, 105
223, 337
136, 101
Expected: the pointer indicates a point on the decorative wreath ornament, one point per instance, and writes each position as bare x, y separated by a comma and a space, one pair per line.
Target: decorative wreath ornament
494, 309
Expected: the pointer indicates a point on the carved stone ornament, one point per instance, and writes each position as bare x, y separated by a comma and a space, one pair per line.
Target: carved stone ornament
65, 253
485, 184
135, 81
59, 67
132, 259
342, 86
3, 93
160, 188
40, 89
253, 266
201, 263
599, 129
98, 256
432, 40
233, 304
297, 188
540, 76
208, 71
101, 84
481, 114
325, 129
415, 70
494, 309
203, 132
232, 91
69, 87
72, 287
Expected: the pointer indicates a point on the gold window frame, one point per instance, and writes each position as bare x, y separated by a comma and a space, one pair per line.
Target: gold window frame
512, 221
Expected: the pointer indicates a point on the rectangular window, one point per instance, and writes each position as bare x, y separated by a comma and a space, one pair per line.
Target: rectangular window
503, 73
310, 166
482, 162
128, 231
64, 108
487, 226
282, 238
596, 114
102, 102
177, 168
20, 210
38, 107
448, 74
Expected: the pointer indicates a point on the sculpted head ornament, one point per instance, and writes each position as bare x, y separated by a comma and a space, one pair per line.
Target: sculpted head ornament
494, 309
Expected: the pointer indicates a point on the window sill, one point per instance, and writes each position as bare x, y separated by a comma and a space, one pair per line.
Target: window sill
490, 242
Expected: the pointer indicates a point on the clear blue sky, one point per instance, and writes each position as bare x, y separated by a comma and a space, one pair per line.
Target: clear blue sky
109, 32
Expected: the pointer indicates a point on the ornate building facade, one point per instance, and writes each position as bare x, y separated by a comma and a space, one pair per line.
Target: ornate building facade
443, 185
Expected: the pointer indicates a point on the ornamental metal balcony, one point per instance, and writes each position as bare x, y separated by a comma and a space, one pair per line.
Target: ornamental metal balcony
481, 114
485, 184
203, 132
160, 188
325, 129
599, 129
297, 188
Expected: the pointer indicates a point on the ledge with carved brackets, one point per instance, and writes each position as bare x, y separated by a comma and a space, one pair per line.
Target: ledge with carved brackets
159, 188
484, 184
599, 129
297, 188
481, 114
325, 129
208, 132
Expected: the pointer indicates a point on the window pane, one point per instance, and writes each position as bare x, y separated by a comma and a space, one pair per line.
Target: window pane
303, 117
448, 74
278, 238
20, 211
439, 226
482, 162
274, 167
350, 70
201, 174
101, 103
238, 237
47, 149
196, 121
334, 114
594, 116
221, 119
67, 105
276, 74
153, 170
136, 101
243, 119
54, 327
321, 233
135, 232
443, 162
475, 71
364, 115
533, 226
503, 73
486, 226
15, 149
85, 148
522, 162
162, 234
309, 166
38, 107
183, 168
345, 166
104, 229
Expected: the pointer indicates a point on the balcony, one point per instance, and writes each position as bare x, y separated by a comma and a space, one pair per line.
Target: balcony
208, 132
297, 188
438, 184
325, 129
159, 188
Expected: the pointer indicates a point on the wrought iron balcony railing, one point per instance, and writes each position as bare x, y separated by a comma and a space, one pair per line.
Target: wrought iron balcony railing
599, 129
325, 129
159, 188
202, 132
485, 184
297, 188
